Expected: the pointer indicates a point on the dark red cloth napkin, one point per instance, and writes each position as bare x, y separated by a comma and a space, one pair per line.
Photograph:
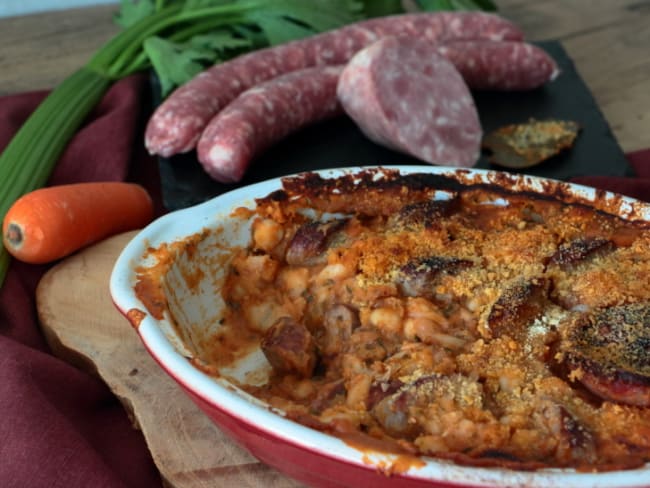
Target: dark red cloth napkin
60, 426
637, 187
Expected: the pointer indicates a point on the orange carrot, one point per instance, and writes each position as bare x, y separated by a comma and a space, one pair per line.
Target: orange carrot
50, 223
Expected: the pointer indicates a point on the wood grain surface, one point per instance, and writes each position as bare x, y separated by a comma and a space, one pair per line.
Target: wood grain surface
609, 40
83, 326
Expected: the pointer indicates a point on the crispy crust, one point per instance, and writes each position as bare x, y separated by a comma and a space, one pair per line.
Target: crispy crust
478, 365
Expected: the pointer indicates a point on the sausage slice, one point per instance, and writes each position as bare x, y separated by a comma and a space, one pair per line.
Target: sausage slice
404, 95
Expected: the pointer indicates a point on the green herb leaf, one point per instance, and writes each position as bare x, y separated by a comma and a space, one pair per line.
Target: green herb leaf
251, 34
433, 5
319, 15
175, 63
469, 5
380, 8
197, 4
221, 41
487, 5
252, 24
278, 30
464, 5
132, 11
272, 22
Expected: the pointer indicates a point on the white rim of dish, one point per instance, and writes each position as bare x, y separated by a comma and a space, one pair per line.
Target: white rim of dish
175, 225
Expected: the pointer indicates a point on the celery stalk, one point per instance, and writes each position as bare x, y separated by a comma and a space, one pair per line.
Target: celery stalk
30, 157
28, 160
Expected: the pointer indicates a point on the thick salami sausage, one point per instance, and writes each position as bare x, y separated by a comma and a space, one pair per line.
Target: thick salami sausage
500, 65
404, 95
176, 125
264, 114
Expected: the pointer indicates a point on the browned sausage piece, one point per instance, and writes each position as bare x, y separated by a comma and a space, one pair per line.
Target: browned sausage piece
290, 348
309, 244
426, 214
338, 323
394, 412
517, 307
263, 115
419, 277
607, 351
575, 442
580, 250
405, 96
176, 125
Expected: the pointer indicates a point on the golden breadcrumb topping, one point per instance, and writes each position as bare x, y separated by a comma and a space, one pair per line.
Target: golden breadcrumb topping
474, 329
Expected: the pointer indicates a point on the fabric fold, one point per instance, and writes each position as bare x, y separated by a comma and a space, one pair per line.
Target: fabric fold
61, 426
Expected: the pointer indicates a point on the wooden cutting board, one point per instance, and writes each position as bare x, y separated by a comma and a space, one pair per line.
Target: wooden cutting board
83, 327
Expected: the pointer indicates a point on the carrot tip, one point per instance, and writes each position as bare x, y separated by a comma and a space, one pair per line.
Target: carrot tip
13, 235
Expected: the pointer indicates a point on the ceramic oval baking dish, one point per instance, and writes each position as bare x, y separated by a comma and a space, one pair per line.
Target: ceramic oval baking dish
191, 290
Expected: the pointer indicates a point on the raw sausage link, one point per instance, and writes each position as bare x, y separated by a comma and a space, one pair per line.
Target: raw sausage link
500, 65
404, 95
176, 125
263, 115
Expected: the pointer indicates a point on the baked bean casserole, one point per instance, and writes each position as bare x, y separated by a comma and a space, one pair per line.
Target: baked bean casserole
458, 321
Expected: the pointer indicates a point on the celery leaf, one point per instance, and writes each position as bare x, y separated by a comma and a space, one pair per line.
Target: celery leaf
433, 5
380, 8
132, 11
175, 63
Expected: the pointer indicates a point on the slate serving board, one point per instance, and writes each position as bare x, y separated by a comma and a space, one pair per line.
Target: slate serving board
339, 143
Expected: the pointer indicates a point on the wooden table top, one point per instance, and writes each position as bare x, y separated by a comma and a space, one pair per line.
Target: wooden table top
608, 41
